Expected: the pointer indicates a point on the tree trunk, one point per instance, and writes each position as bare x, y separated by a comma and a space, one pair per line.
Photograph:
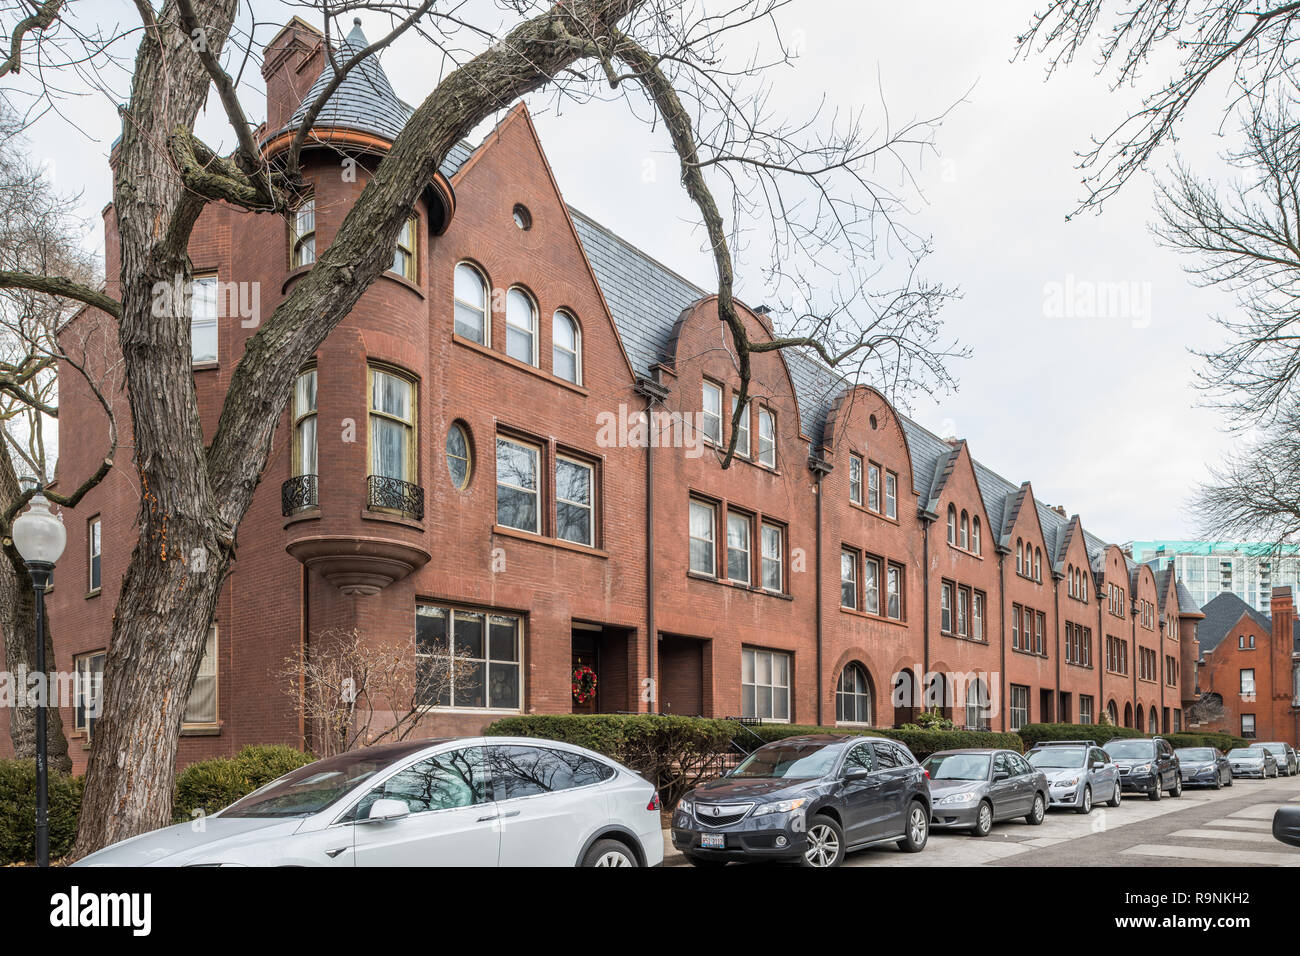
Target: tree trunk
18, 624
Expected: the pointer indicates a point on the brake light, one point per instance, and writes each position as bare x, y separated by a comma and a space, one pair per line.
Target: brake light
654, 803
927, 773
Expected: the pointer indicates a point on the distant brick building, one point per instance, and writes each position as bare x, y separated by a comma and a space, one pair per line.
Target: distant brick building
466, 462
1251, 663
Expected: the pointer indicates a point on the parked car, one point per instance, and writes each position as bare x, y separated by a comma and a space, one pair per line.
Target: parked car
809, 799
1078, 772
1204, 767
501, 801
1285, 756
973, 789
1286, 825
1254, 761
1147, 765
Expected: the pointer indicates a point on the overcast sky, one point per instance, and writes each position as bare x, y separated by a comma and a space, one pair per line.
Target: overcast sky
1098, 412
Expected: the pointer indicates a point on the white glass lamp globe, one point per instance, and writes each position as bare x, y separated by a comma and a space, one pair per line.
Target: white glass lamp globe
38, 533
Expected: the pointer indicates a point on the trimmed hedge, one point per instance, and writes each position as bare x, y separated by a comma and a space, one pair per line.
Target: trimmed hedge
922, 743
673, 753
1102, 733
1224, 742
210, 785
18, 811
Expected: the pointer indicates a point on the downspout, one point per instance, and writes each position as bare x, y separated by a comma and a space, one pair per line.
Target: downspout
1056, 590
928, 518
1133, 642
1002, 641
820, 468
653, 392
1160, 673
1101, 659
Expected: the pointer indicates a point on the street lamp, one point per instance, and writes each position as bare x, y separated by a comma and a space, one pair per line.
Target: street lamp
40, 537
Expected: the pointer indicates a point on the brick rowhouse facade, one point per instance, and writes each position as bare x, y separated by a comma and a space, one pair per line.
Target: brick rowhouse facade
851, 568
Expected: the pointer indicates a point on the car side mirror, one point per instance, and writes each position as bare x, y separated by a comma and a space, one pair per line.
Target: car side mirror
385, 810
1098, 765
857, 773
1286, 825
1001, 775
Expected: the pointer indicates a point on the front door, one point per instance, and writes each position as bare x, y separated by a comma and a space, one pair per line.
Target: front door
586, 661
863, 798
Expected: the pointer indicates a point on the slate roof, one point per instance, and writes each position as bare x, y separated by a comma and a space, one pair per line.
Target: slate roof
365, 101
1222, 615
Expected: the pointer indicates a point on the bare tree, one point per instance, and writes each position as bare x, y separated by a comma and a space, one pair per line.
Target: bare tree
817, 185
353, 692
38, 233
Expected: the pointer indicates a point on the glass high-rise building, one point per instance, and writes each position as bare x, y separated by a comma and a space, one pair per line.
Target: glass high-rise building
1209, 568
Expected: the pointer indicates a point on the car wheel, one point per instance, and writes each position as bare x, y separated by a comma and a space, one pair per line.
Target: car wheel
1230, 779
1085, 805
1176, 790
825, 843
918, 829
1155, 794
1218, 781
1037, 812
609, 853
983, 820
1117, 797
705, 862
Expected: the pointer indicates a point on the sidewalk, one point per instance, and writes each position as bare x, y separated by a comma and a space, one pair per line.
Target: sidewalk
672, 856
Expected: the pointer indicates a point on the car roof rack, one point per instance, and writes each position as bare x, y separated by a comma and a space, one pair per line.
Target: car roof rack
1063, 743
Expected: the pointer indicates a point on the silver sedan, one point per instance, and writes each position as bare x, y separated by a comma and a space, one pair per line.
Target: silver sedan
1078, 773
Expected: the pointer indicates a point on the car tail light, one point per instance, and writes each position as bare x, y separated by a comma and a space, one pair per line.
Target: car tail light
926, 772
654, 803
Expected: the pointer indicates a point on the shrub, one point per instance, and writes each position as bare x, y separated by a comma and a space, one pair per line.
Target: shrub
18, 811
673, 753
210, 785
1102, 733
1218, 741
920, 741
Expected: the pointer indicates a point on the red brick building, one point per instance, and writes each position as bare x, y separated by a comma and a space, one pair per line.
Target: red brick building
1251, 663
510, 446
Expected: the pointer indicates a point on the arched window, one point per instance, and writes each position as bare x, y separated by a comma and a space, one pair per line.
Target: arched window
936, 693
1153, 721
471, 304
952, 524
1069, 580
1038, 564
521, 327
1020, 556
975, 545
1113, 713
853, 696
965, 531
566, 348
1139, 717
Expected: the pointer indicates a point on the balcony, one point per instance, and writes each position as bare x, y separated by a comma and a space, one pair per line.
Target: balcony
393, 494
357, 553
299, 494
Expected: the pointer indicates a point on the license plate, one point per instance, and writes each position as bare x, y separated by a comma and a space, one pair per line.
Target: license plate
713, 841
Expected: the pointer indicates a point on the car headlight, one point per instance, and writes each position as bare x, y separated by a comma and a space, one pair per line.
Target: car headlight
685, 806
966, 796
781, 806
1065, 783
1142, 768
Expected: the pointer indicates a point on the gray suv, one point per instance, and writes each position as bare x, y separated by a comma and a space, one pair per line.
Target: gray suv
1285, 756
1147, 765
809, 799
1078, 772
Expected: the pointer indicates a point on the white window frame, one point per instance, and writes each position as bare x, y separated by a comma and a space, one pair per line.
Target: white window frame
752, 656
89, 683
208, 668
711, 540
589, 506
891, 494
302, 234
893, 591
711, 411
535, 452
487, 660
773, 560
766, 437
740, 519
742, 430
562, 315
95, 554
205, 321
514, 295
855, 478
945, 607
873, 487
871, 585
852, 565
482, 309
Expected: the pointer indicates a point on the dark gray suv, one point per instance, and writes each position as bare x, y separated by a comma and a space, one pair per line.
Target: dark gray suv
809, 799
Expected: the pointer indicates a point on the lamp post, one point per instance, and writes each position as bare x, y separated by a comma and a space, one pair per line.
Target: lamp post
40, 537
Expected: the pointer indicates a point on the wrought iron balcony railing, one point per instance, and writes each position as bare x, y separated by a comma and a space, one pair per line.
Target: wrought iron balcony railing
298, 494
393, 494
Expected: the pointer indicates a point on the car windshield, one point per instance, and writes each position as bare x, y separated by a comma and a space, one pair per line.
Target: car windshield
1273, 748
1252, 752
1131, 749
794, 761
312, 788
1050, 757
957, 766
1195, 753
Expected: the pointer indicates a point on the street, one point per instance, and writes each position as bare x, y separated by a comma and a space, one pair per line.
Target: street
1229, 827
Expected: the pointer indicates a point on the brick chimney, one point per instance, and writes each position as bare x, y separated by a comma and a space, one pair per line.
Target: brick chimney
291, 63
1282, 608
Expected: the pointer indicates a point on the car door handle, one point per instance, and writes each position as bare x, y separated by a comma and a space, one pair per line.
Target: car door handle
335, 852
510, 813
491, 816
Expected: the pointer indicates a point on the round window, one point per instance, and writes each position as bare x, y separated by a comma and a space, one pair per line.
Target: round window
523, 218
458, 455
